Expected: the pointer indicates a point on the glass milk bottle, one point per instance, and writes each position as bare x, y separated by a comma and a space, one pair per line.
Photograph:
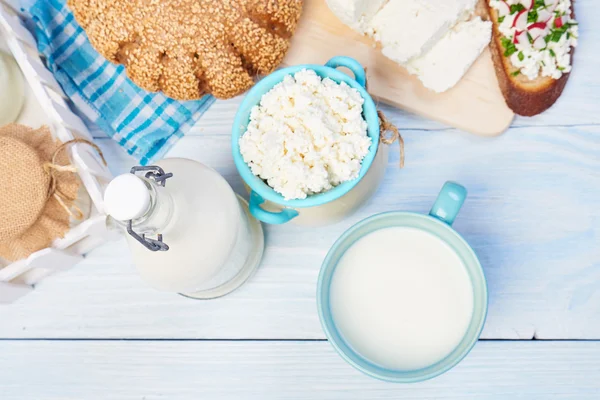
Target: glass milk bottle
187, 230
12, 89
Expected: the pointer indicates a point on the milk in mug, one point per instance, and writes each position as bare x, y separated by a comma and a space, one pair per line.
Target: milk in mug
401, 298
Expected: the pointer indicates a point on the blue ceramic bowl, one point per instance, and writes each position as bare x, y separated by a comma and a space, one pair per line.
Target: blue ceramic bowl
438, 223
260, 190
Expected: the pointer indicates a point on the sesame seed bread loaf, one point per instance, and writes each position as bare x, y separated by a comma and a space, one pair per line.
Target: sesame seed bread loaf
526, 97
188, 48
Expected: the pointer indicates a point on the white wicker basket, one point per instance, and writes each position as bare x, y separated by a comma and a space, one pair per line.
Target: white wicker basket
46, 105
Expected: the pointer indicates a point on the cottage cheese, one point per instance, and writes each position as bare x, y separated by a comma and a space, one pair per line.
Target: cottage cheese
446, 63
306, 136
552, 57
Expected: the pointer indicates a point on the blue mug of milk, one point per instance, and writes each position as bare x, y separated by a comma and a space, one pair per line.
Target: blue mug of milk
402, 296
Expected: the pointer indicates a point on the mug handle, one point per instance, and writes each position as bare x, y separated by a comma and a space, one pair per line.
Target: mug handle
448, 203
353, 65
269, 217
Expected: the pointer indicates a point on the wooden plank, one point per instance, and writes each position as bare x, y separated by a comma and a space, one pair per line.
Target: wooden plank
218, 119
283, 370
577, 106
475, 104
531, 215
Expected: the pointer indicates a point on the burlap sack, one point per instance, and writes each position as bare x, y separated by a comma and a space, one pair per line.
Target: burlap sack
36, 194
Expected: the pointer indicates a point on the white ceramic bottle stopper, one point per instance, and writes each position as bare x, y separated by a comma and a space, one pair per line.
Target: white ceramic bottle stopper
128, 198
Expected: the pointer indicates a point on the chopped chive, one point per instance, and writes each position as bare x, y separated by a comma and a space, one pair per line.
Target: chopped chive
515, 8
509, 47
532, 16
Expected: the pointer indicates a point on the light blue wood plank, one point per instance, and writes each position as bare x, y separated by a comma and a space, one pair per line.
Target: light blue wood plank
531, 215
281, 371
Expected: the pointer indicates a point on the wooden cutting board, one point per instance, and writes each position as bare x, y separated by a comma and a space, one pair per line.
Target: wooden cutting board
474, 105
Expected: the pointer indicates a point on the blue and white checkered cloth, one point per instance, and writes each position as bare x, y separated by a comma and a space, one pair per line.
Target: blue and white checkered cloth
145, 124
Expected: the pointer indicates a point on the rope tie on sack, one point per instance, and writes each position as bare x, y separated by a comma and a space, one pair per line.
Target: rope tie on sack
51, 168
389, 133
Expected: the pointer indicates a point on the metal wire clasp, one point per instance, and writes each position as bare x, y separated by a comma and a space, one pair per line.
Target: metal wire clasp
158, 175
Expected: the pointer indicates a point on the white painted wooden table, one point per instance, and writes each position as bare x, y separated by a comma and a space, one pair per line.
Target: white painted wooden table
533, 217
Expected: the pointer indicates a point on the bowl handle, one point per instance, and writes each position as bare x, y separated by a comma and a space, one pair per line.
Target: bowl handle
353, 65
269, 217
448, 203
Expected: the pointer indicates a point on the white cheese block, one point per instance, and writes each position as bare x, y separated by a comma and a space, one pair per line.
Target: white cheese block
409, 28
355, 13
445, 64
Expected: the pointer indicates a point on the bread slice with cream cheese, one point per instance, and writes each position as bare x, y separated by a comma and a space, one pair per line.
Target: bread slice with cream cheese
531, 89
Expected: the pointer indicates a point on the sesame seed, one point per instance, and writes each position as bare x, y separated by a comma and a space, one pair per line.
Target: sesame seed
189, 48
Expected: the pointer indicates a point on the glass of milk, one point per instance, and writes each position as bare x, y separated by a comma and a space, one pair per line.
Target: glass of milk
402, 296
187, 230
12, 89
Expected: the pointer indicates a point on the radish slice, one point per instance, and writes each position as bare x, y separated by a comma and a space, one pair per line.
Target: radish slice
539, 43
541, 25
503, 9
538, 29
527, 4
520, 21
551, 5
509, 20
544, 15
558, 22
523, 40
